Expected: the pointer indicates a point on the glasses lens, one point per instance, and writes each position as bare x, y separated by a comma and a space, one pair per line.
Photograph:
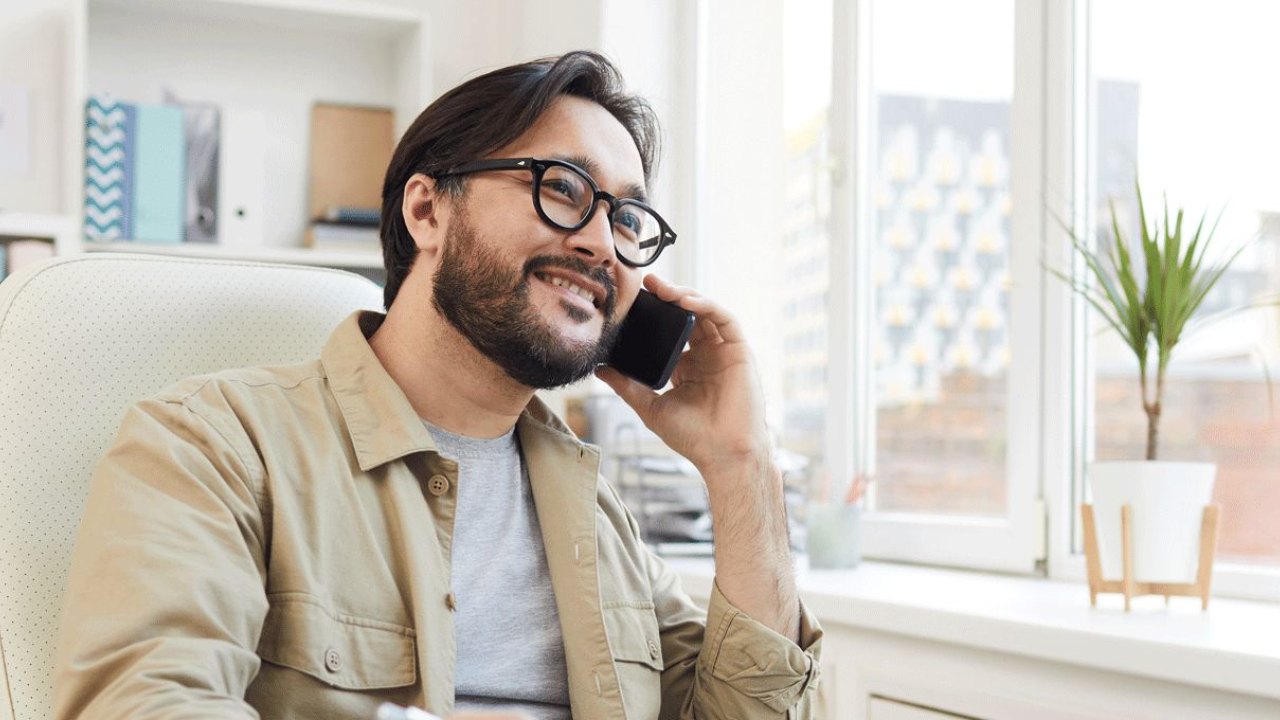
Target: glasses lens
565, 196
636, 233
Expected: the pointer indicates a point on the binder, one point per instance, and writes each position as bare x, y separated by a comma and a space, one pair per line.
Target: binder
241, 170
160, 171
127, 179
105, 204
200, 210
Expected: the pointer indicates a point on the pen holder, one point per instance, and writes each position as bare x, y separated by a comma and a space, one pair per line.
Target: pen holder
833, 537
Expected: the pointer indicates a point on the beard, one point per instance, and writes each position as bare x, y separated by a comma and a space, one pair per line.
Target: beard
489, 306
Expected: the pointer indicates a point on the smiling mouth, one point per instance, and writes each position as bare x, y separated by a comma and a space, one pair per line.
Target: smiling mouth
582, 295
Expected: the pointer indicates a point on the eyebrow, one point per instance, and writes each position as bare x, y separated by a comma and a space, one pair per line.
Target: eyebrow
633, 191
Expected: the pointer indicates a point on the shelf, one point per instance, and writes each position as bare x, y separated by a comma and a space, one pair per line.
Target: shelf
265, 63
285, 255
58, 228
31, 225
327, 16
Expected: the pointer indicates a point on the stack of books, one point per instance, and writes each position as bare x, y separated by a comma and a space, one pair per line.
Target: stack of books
19, 253
345, 229
351, 147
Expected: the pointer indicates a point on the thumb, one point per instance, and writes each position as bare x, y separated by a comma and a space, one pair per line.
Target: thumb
633, 393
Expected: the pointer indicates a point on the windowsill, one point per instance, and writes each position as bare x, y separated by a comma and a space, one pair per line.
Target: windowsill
1234, 646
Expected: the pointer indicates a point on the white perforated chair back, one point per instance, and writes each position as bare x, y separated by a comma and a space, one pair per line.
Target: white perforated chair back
81, 339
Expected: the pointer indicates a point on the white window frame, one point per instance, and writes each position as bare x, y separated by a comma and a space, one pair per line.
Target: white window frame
1048, 439
1068, 386
1014, 541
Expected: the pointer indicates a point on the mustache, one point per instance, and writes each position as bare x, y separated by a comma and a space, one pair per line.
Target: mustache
577, 265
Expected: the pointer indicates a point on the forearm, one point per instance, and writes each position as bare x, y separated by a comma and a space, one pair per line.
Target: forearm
753, 556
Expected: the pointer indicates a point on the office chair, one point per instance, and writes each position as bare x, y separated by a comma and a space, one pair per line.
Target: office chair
81, 339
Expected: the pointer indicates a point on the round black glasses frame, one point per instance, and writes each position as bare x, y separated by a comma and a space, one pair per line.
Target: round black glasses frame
539, 167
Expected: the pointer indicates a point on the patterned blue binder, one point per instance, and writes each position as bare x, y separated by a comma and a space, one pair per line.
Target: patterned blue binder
105, 204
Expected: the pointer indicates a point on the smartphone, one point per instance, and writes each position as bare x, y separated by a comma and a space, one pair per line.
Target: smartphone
652, 336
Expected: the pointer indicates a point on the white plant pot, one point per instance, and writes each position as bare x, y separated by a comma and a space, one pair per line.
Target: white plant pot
1168, 501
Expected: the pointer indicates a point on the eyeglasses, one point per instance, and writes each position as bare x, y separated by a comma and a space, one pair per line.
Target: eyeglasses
566, 198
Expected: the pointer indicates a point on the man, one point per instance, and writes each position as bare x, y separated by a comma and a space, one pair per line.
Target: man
402, 519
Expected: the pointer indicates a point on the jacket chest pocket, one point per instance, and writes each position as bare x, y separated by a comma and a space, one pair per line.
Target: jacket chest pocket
637, 654
343, 651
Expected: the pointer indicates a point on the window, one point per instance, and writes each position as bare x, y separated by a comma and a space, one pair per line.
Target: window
928, 234
806, 83
942, 83
922, 342
1200, 127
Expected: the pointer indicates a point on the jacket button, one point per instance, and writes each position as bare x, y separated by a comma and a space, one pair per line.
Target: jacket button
653, 650
332, 660
450, 601
438, 484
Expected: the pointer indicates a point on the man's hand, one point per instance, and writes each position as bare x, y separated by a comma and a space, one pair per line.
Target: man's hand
714, 416
714, 412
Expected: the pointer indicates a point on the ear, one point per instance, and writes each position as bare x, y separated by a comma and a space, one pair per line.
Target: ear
426, 213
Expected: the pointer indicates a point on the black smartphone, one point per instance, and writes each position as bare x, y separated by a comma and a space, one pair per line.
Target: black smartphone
652, 337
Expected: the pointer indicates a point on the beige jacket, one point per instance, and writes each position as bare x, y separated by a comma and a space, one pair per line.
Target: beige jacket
275, 542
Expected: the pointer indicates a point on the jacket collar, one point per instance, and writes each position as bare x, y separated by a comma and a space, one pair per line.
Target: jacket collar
382, 423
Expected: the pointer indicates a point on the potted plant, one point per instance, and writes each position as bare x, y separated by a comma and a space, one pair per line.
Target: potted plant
1149, 300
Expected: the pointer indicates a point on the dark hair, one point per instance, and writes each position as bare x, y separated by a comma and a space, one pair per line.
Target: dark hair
490, 111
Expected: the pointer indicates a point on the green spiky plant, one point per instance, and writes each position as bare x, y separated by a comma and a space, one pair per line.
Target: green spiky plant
1151, 316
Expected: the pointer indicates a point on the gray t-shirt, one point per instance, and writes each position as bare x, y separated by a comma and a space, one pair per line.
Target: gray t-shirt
510, 650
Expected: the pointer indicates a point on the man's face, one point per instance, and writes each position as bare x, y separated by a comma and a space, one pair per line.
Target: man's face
502, 278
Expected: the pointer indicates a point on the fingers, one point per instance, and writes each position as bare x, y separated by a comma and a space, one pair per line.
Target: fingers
633, 393
703, 308
665, 290
677, 375
704, 331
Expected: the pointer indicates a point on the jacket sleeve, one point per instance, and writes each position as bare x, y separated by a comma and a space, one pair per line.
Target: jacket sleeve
725, 665
721, 664
165, 598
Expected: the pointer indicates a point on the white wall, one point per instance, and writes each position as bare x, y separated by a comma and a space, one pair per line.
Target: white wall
470, 38
743, 188
34, 37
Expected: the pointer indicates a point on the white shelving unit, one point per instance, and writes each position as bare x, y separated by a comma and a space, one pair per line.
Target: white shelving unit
55, 230
294, 256
58, 229
274, 57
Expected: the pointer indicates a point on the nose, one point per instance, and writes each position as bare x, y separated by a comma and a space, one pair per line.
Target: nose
595, 239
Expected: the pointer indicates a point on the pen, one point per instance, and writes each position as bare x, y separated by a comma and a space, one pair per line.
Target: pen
391, 711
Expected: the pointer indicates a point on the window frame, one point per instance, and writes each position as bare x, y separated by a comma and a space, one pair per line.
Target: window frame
1014, 541
1069, 386
1050, 166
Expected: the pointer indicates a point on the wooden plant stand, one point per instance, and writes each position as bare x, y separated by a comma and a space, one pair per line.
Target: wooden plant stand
1132, 588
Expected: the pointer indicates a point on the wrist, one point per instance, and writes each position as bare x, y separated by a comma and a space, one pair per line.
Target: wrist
752, 460
743, 479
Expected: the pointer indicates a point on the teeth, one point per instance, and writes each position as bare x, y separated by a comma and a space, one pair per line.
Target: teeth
561, 282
